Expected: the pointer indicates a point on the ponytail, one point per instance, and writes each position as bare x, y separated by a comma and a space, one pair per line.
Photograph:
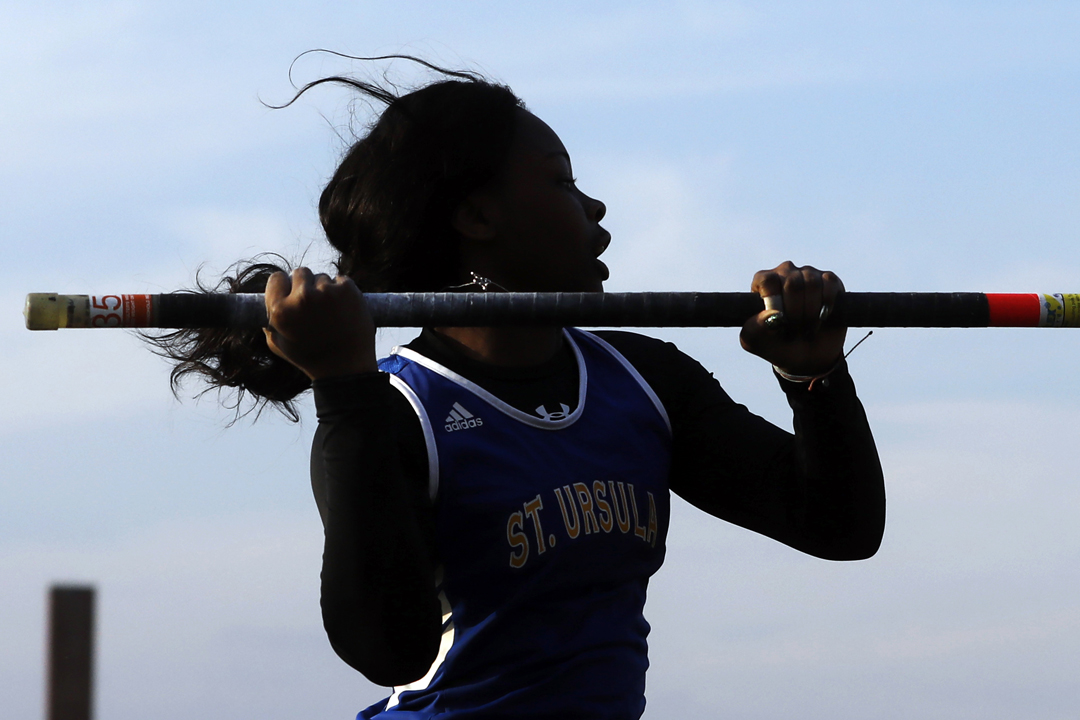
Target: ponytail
237, 361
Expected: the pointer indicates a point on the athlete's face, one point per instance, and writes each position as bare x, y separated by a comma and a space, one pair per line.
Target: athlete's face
545, 232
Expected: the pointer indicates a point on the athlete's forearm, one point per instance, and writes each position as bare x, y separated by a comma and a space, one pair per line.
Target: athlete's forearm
379, 603
837, 461
820, 490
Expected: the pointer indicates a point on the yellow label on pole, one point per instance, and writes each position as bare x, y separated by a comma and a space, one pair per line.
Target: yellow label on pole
1071, 303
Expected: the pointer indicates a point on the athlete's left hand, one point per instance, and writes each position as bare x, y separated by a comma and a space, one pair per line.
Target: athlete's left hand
798, 345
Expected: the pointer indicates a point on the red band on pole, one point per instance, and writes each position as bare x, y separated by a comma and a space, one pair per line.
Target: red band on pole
1014, 309
138, 310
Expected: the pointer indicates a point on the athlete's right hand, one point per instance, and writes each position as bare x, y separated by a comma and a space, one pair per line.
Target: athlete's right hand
319, 324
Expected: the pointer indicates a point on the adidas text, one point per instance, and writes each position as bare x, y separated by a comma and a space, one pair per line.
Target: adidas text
464, 424
461, 419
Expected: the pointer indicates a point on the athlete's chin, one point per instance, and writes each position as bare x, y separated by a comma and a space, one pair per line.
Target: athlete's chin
590, 280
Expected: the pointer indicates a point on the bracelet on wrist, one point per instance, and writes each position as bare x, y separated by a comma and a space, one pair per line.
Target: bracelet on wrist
811, 379
823, 377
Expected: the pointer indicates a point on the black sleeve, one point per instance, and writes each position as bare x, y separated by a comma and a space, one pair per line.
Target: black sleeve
819, 490
379, 603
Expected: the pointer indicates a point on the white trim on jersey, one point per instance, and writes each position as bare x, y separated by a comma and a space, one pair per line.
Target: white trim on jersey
504, 408
635, 374
445, 643
429, 435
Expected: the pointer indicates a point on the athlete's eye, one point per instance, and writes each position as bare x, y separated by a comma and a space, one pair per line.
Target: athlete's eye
569, 182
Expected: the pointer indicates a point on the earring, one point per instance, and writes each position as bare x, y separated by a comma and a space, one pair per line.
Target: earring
480, 282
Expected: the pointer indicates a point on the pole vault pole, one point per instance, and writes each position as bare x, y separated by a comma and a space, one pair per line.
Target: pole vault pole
50, 311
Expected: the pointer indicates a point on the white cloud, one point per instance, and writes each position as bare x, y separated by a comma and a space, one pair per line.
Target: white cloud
995, 449
74, 374
220, 236
673, 227
185, 611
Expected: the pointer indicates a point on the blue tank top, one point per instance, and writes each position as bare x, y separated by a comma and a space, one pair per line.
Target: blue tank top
548, 529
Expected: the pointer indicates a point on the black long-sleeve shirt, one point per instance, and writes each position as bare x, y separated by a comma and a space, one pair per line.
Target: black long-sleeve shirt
820, 490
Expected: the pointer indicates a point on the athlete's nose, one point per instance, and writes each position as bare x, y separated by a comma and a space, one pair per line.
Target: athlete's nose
596, 209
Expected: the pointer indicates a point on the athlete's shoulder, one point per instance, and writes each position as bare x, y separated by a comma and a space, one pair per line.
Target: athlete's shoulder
679, 381
647, 354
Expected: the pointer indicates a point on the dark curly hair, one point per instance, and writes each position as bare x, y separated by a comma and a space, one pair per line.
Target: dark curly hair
387, 211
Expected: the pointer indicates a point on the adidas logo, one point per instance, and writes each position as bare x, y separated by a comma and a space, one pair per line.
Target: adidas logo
461, 419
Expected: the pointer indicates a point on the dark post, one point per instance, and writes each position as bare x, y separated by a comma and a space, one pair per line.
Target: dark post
71, 653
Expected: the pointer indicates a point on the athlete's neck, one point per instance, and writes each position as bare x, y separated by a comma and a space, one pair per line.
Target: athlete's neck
507, 346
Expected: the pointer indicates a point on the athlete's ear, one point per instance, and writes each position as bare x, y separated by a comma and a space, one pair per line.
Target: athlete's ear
477, 217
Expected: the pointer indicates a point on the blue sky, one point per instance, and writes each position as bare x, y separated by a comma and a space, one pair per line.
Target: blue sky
907, 146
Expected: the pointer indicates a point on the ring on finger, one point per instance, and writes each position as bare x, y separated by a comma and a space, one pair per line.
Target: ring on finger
774, 321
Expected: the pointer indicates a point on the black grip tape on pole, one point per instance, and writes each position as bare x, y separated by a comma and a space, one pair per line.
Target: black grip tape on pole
669, 309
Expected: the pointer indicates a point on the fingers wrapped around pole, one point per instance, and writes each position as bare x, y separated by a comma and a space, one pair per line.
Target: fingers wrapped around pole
319, 324
791, 332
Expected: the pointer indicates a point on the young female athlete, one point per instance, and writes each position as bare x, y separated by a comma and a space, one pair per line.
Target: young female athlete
496, 499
